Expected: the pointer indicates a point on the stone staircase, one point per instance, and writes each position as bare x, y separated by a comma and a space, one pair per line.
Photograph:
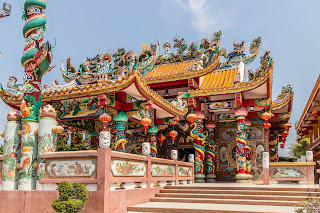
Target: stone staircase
236, 198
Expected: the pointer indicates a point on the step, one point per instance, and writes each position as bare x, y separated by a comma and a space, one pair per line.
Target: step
232, 196
173, 207
247, 192
252, 188
225, 201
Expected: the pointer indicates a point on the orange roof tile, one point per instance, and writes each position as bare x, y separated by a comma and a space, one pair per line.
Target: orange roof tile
178, 71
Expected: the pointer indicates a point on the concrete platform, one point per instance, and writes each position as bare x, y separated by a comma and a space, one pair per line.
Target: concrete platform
174, 207
229, 197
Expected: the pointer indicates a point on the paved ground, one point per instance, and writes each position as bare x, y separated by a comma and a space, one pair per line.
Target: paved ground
205, 206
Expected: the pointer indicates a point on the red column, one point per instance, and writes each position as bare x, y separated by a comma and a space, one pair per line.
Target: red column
241, 136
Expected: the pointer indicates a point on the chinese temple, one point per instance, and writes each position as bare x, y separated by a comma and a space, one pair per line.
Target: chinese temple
197, 98
309, 122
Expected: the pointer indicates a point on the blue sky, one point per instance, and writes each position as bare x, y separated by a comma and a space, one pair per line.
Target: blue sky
288, 28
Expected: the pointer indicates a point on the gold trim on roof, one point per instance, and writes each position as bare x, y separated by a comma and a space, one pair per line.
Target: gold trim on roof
102, 87
282, 103
309, 103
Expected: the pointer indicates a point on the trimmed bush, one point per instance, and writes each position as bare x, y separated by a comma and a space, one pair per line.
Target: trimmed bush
72, 197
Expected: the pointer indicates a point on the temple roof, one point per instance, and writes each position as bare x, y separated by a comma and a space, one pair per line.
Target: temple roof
132, 84
312, 104
225, 82
179, 71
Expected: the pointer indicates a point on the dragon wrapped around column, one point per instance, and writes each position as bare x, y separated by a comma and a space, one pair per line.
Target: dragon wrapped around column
211, 154
36, 59
248, 154
197, 134
153, 140
241, 136
121, 119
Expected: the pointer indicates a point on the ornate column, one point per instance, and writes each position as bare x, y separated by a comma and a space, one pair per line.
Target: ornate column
47, 139
36, 59
241, 136
121, 140
11, 151
197, 134
29, 148
248, 151
153, 140
210, 152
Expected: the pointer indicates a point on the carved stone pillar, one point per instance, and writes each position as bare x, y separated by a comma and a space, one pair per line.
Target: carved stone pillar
241, 136
121, 140
47, 139
11, 151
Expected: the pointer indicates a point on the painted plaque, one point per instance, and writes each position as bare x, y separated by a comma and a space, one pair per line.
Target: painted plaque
123, 168
71, 168
162, 170
219, 105
288, 172
184, 171
226, 117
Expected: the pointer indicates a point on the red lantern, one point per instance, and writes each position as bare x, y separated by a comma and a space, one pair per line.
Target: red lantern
301, 134
105, 119
287, 126
285, 134
282, 145
161, 138
267, 125
309, 123
192, 118
315, 114
283, 140
145, 122
305, 130
173, 134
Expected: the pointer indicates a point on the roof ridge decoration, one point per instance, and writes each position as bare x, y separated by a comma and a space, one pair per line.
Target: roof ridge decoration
102, 87
284, 98
237, 55
102, 65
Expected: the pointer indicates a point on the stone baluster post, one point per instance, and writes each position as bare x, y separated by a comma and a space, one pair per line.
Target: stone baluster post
47, 141
29, 148
121, 119
197, 134
241, 137
153, 140
11, 151
210, 153
265, 164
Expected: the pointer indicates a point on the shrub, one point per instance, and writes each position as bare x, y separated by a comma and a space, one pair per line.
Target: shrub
72, 197
308, 206
299, 149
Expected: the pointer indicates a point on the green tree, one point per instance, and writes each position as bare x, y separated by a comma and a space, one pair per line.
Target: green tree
72, 197
299, 149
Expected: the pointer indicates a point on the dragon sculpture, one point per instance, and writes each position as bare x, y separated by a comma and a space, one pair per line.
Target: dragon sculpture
197, 134
266, 62
112, 66
210, 150
37, 55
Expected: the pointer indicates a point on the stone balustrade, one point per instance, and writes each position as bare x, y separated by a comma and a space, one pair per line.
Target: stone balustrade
292, 171
113, 170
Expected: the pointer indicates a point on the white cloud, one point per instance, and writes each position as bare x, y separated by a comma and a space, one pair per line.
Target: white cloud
206, 16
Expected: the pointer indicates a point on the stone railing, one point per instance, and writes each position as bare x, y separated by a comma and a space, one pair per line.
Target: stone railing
292, 171
108, 170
